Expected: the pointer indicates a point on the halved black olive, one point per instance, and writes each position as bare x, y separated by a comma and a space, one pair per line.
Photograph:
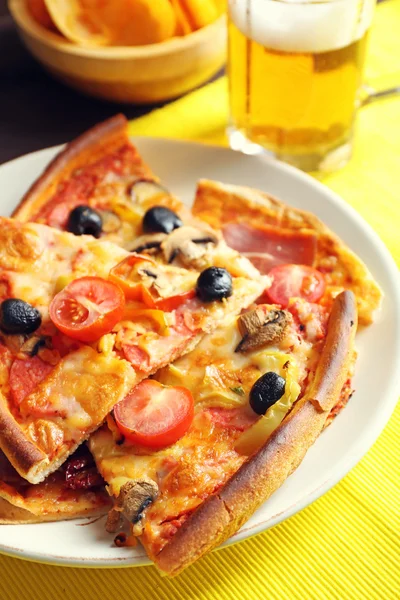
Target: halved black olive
84, 220
214, 283
19, 317
267, 390
160, 219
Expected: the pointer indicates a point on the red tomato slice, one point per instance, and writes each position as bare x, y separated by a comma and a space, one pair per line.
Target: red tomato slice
154, 415
25, 375
87, 308
295, 281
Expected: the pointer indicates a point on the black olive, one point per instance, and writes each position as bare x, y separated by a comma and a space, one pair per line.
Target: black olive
160, 219
214, 283
266, 391
85, 220
18, 317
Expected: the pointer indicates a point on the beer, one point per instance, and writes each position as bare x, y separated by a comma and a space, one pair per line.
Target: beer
295, 69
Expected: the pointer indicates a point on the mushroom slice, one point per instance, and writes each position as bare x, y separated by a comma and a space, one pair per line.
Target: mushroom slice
190, 244
33, 344
134, 497
150, 244
258, 329
145, 189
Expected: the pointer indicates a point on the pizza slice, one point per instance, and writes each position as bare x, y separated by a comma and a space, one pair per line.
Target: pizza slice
257, 392
275, 237
100, 185
82, 321
75, 490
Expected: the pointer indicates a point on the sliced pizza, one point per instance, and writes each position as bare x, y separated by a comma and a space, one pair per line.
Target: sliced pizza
82, 321
75, 490
275, 237
190, 454
99, 185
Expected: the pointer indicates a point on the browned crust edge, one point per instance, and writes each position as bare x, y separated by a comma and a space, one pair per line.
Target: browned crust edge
23, 454
222, 514
94, 143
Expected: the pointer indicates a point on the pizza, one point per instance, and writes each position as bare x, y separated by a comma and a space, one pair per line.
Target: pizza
82, 321
168, 367
273, 235
257, 392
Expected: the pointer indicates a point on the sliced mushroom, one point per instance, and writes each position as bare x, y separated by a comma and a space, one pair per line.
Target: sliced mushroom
258, 329
149, 244
114, 521
144, 189
111, 221
190, 244
33, 345
134, 497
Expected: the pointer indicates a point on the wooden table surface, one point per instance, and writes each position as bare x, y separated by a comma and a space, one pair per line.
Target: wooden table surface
35, 110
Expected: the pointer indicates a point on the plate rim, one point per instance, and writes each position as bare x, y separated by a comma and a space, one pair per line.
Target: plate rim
345, 465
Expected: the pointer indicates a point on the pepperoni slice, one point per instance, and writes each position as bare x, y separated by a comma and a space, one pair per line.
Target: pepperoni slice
25, 375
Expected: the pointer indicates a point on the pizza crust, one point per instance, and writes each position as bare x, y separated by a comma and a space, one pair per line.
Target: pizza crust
15, 515
223, 513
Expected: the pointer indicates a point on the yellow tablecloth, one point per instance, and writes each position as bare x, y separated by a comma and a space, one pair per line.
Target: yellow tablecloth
346, 545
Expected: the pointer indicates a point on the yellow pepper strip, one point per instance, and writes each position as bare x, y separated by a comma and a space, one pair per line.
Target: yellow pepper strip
157, 316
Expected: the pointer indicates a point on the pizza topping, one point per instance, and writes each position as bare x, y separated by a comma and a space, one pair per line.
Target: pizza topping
213, 284
145, 189
25, 375
163, 288
189, 243
19, 317
160, 219
111, 221
34, 344
84, 220
266, 391
81, 473
295, 281
154, 415
270, 245
134, 497
150, 243
87, 308
258, 328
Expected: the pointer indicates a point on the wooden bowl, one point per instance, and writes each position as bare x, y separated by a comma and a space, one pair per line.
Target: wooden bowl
137, 74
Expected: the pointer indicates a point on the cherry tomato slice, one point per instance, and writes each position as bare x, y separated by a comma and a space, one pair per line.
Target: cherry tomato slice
295, 281
154, 415
87, 308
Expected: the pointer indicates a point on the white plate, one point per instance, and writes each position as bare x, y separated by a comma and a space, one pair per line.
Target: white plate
339, 448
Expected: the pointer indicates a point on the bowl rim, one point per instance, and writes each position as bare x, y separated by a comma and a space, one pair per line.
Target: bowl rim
25, 21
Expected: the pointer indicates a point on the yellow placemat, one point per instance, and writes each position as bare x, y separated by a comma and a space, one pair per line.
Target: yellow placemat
346, 545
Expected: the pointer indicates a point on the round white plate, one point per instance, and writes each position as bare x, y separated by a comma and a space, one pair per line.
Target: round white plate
340, 447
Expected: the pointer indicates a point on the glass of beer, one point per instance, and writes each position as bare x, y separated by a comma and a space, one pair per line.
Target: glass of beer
295, 72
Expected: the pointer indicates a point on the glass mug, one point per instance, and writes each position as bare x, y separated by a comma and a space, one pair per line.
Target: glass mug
295, 72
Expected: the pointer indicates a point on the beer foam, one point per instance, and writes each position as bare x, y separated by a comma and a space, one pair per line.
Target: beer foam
302, 25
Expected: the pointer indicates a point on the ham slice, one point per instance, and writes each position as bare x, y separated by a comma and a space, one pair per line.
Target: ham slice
267, 245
